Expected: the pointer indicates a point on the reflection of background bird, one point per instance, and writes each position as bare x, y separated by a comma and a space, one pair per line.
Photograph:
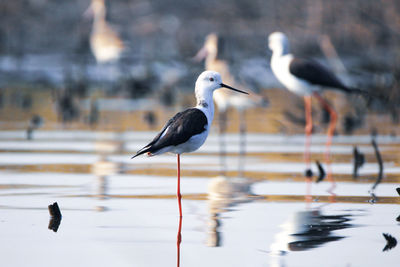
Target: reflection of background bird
224, 193
225, 99
305, 78
105, 43
306, 230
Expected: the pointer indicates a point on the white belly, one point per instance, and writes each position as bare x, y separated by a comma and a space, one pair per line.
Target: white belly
280, 67
194, 143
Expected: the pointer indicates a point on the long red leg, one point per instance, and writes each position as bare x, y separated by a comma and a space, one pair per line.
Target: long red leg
178, 193
308, 130
307, 157
178, 242
331, 131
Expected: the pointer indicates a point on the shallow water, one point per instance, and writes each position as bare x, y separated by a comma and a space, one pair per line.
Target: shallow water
122, 212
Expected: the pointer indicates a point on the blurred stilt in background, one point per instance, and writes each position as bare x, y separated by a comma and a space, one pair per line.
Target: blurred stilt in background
105, 43
35, 123
306, 78
225, 99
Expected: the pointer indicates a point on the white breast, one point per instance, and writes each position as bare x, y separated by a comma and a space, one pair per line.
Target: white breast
194, 143
280, 67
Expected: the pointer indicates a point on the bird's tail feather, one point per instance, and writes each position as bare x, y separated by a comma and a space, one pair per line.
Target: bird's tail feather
141, 151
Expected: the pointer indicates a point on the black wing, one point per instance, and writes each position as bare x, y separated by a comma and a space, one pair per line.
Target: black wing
181, 127
315, 73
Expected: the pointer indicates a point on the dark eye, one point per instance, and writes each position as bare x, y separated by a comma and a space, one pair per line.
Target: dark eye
211, 79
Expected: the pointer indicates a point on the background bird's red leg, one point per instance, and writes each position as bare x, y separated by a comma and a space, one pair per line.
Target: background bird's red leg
307, 157
331, 131
308, 129
178, 193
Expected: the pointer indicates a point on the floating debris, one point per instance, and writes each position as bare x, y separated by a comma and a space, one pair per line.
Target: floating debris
391, 242
55, 218
379, 158
308, 173
321, 171
359, 160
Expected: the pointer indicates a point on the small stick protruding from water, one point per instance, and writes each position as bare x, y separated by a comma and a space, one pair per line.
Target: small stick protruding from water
391, 242
322, 173
359, 160
55, 217
379, 158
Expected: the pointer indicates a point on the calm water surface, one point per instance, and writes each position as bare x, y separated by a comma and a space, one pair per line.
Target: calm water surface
122, 212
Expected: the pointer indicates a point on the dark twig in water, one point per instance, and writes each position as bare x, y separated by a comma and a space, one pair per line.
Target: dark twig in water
359, 161
308, 173
391, 242
321, 170
379, 158
56, 216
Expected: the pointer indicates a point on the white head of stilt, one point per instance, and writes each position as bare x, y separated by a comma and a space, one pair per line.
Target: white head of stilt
278, 43
206, 84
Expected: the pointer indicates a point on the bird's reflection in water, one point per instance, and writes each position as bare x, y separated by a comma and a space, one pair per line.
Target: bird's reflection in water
306, 230
178, 242
223, 194
104, 167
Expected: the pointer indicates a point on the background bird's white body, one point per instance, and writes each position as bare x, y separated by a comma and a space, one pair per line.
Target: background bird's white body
280, 67
105, 43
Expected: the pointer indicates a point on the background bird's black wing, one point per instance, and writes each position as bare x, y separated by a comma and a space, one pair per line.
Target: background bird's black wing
315, 73
184, 125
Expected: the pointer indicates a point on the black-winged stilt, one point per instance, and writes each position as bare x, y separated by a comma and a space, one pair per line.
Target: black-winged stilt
225, 99
105, 43
305, 78
188, 130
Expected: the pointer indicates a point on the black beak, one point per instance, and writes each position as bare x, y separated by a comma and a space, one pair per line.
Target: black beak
227, 86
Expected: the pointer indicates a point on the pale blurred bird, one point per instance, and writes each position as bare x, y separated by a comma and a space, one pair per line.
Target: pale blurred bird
105, 43
305, 78
225, 99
